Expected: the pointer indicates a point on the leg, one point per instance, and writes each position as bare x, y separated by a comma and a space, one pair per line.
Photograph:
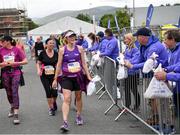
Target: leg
15, 94
78, 102
7, 86
47, 87
66, 103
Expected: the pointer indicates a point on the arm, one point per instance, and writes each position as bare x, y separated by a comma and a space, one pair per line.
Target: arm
109, 48
84, 64
58, 68
38, 66
173, 77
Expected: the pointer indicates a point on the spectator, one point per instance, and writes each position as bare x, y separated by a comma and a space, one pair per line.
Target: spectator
82, 42
172, 71
112, 49
148, 44
94, 44
56, 43
131, 53
102, 41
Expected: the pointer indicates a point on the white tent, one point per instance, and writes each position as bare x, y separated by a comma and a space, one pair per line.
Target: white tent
64, 24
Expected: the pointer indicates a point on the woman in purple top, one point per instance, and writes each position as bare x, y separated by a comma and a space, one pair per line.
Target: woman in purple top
72, 64
10, 60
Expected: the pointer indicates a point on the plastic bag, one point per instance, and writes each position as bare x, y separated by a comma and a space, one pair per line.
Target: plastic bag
122, 72
120, 59
95, 59
118, 94
157, 89
150, 63
171, 84
91, 88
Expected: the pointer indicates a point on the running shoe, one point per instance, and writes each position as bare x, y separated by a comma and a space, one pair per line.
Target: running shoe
16, 119
55, 106
51, 112
11, 113
79, 120
65, 127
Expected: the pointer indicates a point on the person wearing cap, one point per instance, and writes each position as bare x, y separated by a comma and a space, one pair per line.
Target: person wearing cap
112, 49
46, 65
94, 44
82, 42
11, 58
102, 41
71, 63
172, 71
148, 45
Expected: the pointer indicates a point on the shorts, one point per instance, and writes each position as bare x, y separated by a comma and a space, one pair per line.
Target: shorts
70, 83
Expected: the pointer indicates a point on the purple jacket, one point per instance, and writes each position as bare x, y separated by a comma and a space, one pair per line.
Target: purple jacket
102, 45
153, 45
174, 65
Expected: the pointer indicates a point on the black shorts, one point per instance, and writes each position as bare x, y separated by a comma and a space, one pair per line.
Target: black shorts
69, 83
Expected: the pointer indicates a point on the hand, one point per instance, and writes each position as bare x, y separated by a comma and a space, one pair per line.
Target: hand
89, 78
160, 75
4, 64
39, 72
128, 64
12, 63
54, 84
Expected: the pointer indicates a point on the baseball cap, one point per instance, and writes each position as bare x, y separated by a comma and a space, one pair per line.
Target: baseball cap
143, 32
100, 34
70, 33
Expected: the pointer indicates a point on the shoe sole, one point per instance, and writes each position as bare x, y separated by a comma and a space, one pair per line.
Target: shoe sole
64, 129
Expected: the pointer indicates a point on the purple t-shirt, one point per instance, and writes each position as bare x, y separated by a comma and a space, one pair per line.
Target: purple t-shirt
13, 54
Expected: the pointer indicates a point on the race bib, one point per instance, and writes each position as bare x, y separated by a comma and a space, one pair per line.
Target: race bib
39, 51
74, 67
8, 58
49, 70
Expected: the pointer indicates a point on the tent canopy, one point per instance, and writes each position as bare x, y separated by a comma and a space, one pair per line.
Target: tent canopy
64, 24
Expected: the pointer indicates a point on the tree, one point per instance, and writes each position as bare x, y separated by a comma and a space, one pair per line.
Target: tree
123, 19
31, 25
84, 17
177, 4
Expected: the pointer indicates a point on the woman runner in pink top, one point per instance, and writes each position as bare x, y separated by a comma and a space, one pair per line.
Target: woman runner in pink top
10, 60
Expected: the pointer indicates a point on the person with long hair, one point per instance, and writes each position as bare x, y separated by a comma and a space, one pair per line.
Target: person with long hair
11, 58
46, 66
72, 63
131, 52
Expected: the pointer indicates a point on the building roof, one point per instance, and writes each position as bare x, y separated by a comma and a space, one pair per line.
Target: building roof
64, 24
161, 15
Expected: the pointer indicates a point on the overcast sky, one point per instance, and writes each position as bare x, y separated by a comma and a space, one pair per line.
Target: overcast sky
41, 8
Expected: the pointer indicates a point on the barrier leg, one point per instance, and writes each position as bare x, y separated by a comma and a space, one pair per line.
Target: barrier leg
100, 89
102, 94
109, 109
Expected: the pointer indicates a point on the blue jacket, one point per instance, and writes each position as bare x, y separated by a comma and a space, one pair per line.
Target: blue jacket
112, 49
82, 43
131, 55
153, 45
174, 65
102, 45
94, 47
173, 58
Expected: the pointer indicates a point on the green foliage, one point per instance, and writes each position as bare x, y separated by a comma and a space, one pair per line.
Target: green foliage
122, 16
31, 25
84, 17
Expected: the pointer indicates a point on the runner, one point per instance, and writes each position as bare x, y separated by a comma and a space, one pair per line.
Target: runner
46, 65
10, 60
38, 47
71, 62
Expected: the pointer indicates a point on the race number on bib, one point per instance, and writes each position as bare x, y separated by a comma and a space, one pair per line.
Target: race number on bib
74, 67
8, 58
39, 51
49, 70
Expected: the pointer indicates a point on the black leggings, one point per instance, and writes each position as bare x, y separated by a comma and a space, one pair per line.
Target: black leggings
47, 83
